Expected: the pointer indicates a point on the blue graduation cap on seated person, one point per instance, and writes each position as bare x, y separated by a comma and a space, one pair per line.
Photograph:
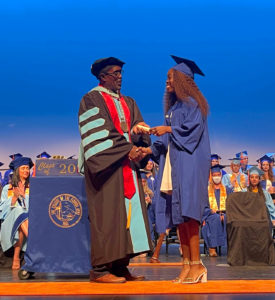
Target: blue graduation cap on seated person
1, 164
16, 155
235, 160
217, 168
71, 157
43, 155
265, 158
186, 66
21, 161
255, 170
242, 154
215, 156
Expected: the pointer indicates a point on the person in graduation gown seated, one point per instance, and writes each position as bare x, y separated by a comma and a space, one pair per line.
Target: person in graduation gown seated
236, 180
14, 207
183, 153
43, 155
255, 186
267, 179
214, 218
7, 173
117, 210
243, 156
215, 160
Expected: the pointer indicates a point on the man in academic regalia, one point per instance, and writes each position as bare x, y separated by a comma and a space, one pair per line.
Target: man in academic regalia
109, 125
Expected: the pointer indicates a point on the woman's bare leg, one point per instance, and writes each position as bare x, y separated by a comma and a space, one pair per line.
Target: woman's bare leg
155, 256
184, 242
24, 227
17, 249
197, 268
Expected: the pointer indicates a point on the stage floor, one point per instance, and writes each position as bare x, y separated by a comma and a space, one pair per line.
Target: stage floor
217, 270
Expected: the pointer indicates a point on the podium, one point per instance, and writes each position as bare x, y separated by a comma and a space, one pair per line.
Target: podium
59, 230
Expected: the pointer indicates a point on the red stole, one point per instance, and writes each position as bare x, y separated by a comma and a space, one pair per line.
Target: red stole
128, 179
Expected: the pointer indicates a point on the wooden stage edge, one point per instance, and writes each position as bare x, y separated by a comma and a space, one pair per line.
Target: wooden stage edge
136, 288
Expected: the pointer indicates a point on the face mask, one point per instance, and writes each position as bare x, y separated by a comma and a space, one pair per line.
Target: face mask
217, 179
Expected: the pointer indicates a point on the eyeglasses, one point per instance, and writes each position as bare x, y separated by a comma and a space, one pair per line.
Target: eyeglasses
115, 74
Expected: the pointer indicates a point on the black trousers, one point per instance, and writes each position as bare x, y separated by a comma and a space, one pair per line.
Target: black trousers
117, 267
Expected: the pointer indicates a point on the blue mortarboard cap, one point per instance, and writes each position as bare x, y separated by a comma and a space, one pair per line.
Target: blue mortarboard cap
254, 170
16, 155
43, 155
235, 160
265, 158
71, 157
101, 63
270, 154
215, 156
216, 168
21, 161
186, 66
242, 154
1, 164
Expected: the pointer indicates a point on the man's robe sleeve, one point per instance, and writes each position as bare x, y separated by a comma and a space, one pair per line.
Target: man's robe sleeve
102, 144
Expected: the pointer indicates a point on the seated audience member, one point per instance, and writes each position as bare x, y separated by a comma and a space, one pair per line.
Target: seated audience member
43, 155
215, 160
214, 218
243, 156
7, 173
14, 209
236, 180
256, 187
268, 180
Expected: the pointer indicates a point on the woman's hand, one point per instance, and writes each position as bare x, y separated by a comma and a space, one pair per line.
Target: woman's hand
160, 130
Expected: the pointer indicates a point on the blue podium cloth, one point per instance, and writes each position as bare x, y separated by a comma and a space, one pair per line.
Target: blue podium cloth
59, 230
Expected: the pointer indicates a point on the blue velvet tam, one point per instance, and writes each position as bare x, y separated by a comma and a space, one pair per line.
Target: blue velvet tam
43, 155
215, 156
265, 158
216, 168
16, 155
235, 160
21, 161
242, 154
1, 164
255, 170
186, 66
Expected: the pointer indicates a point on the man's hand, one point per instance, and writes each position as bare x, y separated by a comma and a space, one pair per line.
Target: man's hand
160, 130
141, 128
145, 150
136, 154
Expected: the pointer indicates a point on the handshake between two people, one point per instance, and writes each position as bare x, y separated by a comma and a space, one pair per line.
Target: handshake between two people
138, 153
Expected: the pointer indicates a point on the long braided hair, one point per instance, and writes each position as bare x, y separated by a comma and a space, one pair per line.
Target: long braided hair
185, 87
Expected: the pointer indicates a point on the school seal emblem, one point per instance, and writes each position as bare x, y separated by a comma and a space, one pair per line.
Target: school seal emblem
65, 210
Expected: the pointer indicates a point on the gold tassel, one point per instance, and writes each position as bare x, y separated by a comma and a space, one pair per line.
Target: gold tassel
129, 215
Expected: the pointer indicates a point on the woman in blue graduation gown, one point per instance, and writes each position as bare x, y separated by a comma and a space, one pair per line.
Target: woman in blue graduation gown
14, 206
183, 147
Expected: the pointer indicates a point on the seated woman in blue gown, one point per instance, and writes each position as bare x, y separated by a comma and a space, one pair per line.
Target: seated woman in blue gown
267, 179
255, 186
14, 206
214, 218
183, 153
